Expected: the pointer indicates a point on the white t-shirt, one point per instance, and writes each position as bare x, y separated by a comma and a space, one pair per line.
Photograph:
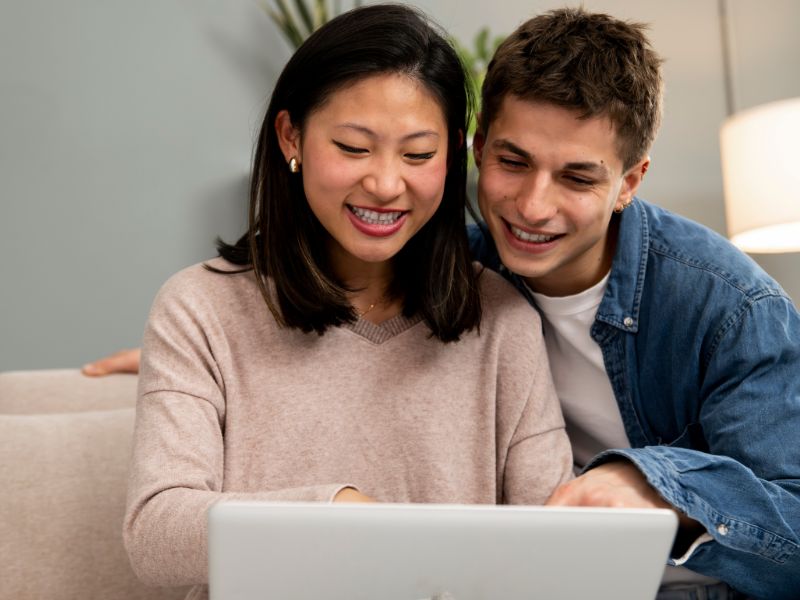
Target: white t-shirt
590, 408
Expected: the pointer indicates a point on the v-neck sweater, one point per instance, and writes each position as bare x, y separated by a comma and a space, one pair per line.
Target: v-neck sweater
233, 406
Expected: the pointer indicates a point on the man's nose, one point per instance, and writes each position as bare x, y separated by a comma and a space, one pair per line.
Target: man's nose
536, 200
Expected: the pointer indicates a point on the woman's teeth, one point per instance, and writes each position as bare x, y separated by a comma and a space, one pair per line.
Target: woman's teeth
374, 217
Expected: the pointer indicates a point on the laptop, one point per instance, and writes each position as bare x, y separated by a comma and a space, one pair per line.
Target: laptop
300, 551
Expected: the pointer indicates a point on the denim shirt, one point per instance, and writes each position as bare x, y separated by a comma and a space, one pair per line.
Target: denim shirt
702, 349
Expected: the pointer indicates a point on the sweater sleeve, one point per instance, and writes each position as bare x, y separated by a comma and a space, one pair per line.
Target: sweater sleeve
530, 425
178, 455
539, 455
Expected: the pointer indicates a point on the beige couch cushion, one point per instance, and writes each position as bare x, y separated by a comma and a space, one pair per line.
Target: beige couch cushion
63, 479
63, 390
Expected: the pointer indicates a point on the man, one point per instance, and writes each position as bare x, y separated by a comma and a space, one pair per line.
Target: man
677, 360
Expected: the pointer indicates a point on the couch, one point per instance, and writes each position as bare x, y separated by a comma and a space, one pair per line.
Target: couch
65, 442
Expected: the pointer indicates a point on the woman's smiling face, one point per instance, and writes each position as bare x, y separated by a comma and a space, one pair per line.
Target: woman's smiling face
373, 159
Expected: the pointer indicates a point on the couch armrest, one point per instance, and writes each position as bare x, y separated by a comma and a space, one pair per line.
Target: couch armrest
63, 478
63, 390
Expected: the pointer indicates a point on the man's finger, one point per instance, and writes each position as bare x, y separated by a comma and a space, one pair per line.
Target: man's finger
125, 361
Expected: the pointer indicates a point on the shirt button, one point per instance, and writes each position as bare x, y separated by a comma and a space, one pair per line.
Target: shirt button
722, 529
628, 322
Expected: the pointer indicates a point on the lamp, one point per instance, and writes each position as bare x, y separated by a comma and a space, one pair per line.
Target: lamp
761, 177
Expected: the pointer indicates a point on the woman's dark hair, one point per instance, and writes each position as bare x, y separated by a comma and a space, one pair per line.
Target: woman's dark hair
433, 273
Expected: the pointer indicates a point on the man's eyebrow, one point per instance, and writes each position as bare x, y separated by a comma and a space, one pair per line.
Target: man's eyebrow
367, 131
592, 167
511, 147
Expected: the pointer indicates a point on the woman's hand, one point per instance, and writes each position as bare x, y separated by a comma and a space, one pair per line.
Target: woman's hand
351, 495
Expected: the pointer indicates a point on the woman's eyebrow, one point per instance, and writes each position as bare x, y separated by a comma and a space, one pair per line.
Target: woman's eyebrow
367, 131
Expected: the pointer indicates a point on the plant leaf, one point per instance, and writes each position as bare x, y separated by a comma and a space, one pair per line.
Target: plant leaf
481, 46
320, 13
305, 15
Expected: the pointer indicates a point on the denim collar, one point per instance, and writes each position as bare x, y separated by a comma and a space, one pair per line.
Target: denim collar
622, 301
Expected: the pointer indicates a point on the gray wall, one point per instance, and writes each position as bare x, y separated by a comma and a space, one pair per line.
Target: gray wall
127, 128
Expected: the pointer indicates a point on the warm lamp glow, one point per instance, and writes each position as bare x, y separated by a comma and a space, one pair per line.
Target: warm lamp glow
761, 175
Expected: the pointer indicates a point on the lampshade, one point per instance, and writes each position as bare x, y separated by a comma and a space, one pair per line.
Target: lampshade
761, 176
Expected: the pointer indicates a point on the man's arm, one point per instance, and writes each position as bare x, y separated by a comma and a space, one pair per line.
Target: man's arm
745, 489
124, 361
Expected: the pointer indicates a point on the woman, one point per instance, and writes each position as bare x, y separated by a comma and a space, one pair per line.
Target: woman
334, 353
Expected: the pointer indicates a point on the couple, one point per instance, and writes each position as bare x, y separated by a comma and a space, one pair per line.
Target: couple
367, 359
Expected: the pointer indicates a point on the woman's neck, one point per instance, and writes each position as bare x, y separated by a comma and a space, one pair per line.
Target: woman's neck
370, 283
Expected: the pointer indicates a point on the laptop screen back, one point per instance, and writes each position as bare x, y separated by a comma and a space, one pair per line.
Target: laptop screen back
414, 552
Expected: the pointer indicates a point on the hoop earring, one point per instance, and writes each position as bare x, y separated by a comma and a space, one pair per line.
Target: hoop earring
294, 166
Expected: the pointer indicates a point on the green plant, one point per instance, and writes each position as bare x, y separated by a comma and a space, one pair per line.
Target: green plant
306, 17
476, 60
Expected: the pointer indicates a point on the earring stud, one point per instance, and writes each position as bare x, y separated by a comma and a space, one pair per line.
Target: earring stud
294, 166
619, 209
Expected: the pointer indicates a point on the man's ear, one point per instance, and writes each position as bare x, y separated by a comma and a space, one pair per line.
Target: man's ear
288, 136
631, 181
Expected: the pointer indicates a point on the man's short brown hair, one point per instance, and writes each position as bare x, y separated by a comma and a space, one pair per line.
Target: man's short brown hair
588, 62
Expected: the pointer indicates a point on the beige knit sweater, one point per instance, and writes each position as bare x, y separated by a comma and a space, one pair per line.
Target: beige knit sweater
232, 406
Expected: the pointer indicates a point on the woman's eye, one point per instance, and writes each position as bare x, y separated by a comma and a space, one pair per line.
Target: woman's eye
420, 155
350, 149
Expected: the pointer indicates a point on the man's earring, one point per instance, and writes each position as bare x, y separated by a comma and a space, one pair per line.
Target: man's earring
294, 166
619, 209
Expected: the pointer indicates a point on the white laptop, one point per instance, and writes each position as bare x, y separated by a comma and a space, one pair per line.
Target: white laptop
303, 551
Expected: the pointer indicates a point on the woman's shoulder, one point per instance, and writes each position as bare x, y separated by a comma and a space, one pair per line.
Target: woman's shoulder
208, 283
510, 326
499, 295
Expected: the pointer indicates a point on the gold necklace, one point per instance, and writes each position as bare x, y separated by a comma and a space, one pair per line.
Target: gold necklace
362, 313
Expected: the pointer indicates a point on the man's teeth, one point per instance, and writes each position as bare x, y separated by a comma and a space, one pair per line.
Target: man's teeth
530, 237
374, 217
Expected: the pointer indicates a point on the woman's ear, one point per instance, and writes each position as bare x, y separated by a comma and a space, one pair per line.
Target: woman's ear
288, 136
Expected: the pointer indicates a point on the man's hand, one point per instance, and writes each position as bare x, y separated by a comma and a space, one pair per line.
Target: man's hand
124, 361
617, 484
351, 495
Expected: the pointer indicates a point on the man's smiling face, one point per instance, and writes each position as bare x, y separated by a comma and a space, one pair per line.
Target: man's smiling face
549, 182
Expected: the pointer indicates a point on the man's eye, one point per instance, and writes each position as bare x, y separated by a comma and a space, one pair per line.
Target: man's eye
420, 155
514, 164
579, 180
350, 149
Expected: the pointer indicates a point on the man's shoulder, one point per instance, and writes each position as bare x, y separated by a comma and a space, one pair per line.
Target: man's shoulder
690, 253
482, 247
